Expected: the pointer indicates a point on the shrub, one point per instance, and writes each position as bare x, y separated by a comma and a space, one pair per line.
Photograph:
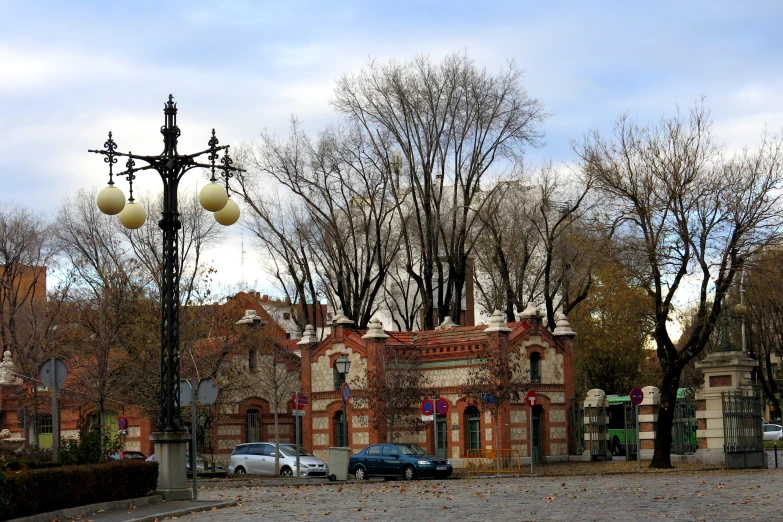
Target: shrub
28, 492
92, 446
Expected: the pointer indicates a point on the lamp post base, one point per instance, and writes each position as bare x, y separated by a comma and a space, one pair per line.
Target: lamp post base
170, 449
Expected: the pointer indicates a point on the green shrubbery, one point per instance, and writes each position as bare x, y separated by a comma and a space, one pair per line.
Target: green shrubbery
32, 491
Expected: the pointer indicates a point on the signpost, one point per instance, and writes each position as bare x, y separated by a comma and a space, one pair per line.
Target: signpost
299, 401
637, 396
206, 391
530, 400
53, 374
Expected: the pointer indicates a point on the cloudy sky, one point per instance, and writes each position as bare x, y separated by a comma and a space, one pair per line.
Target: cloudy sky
72, 71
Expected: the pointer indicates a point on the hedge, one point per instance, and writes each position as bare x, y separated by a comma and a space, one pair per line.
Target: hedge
31, 491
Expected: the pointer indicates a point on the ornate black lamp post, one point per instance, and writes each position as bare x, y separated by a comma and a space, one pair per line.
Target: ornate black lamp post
343, 365
170, 436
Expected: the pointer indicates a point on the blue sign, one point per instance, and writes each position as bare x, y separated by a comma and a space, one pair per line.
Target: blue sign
427, 407
442, 406
637, 396
346, 392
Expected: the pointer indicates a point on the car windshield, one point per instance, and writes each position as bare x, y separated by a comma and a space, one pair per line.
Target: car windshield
134, 455
290, 451
411, 449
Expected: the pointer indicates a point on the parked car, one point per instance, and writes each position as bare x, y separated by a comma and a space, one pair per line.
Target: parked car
202, 463
773, 431
408, 461
259, 457
120, 455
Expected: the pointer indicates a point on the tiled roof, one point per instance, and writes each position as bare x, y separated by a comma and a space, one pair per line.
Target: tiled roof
460, 335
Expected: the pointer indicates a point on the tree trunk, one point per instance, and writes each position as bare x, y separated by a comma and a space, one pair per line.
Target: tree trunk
663, 438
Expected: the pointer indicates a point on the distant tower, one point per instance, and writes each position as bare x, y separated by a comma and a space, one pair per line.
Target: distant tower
242, 257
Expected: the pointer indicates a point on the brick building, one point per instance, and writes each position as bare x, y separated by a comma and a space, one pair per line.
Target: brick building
447, 355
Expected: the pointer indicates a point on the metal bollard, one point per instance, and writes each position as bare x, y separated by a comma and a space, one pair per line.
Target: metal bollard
776, 454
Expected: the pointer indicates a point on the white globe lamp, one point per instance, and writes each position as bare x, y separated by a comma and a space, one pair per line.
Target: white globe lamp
133, 216
229, 214
111, 200
213, 197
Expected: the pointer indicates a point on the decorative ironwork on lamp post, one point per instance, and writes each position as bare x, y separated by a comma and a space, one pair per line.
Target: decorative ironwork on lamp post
214, 197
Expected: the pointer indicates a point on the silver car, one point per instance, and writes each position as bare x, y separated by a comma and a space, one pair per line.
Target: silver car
259, 458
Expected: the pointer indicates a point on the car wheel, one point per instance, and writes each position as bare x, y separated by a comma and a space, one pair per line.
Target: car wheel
240, 470
359, 473
409, 473
286, 472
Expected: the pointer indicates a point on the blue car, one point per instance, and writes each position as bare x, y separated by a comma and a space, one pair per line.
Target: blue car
408, 461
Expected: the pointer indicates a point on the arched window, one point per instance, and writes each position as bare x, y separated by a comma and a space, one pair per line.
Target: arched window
535, 360
253, 426
340, 430
473, 428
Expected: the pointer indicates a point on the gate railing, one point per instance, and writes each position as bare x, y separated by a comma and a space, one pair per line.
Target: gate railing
742, 414
596, 431
629, 428
493, 461
684, 441
576, 434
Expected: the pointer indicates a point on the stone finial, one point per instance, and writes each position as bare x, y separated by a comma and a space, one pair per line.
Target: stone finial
308, 337
594, 398
250, 317
341, 318
562, 327
531, 311
497, 323
447, 323
8, 370
375, 330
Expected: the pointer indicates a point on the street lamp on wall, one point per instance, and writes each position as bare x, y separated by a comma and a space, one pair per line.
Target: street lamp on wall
343, 365
171, 166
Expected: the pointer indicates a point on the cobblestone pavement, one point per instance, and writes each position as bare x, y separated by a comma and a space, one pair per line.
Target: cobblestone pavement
721, 495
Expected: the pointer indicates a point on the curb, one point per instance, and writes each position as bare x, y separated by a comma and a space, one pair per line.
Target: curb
184, 511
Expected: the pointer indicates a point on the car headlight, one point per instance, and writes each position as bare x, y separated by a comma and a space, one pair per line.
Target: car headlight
448, 463
425, 463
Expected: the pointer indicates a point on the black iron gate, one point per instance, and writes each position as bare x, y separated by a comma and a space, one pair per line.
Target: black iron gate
596, 432
576, 430
742, 435
684, 441
631, 437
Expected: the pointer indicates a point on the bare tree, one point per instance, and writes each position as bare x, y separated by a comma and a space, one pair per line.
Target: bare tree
452, 122
685, 221
395, 386
342, 222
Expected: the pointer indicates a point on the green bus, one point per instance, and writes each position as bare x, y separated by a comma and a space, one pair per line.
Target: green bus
622, 424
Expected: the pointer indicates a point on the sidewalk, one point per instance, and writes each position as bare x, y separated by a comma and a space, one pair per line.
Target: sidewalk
144, 509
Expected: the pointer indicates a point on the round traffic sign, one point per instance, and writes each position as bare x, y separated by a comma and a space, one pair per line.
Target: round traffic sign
531, 398
442, 406
637, 396
185, 392
427, 407
122, 423
53, 368
207, 391
346, 392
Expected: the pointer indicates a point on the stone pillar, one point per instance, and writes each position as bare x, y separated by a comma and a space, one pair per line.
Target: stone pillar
565, 338
309, 340
724, 371
497, 338
596, 425
170, 448
648, 421
376, 341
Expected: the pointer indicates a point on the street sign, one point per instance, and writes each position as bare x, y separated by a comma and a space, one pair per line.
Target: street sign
442, 406
122, 423
427, 418
346, 390
302, 397
531, 398
207, 390
298, 413
47, 370
427, 407
185, 392
637, 396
